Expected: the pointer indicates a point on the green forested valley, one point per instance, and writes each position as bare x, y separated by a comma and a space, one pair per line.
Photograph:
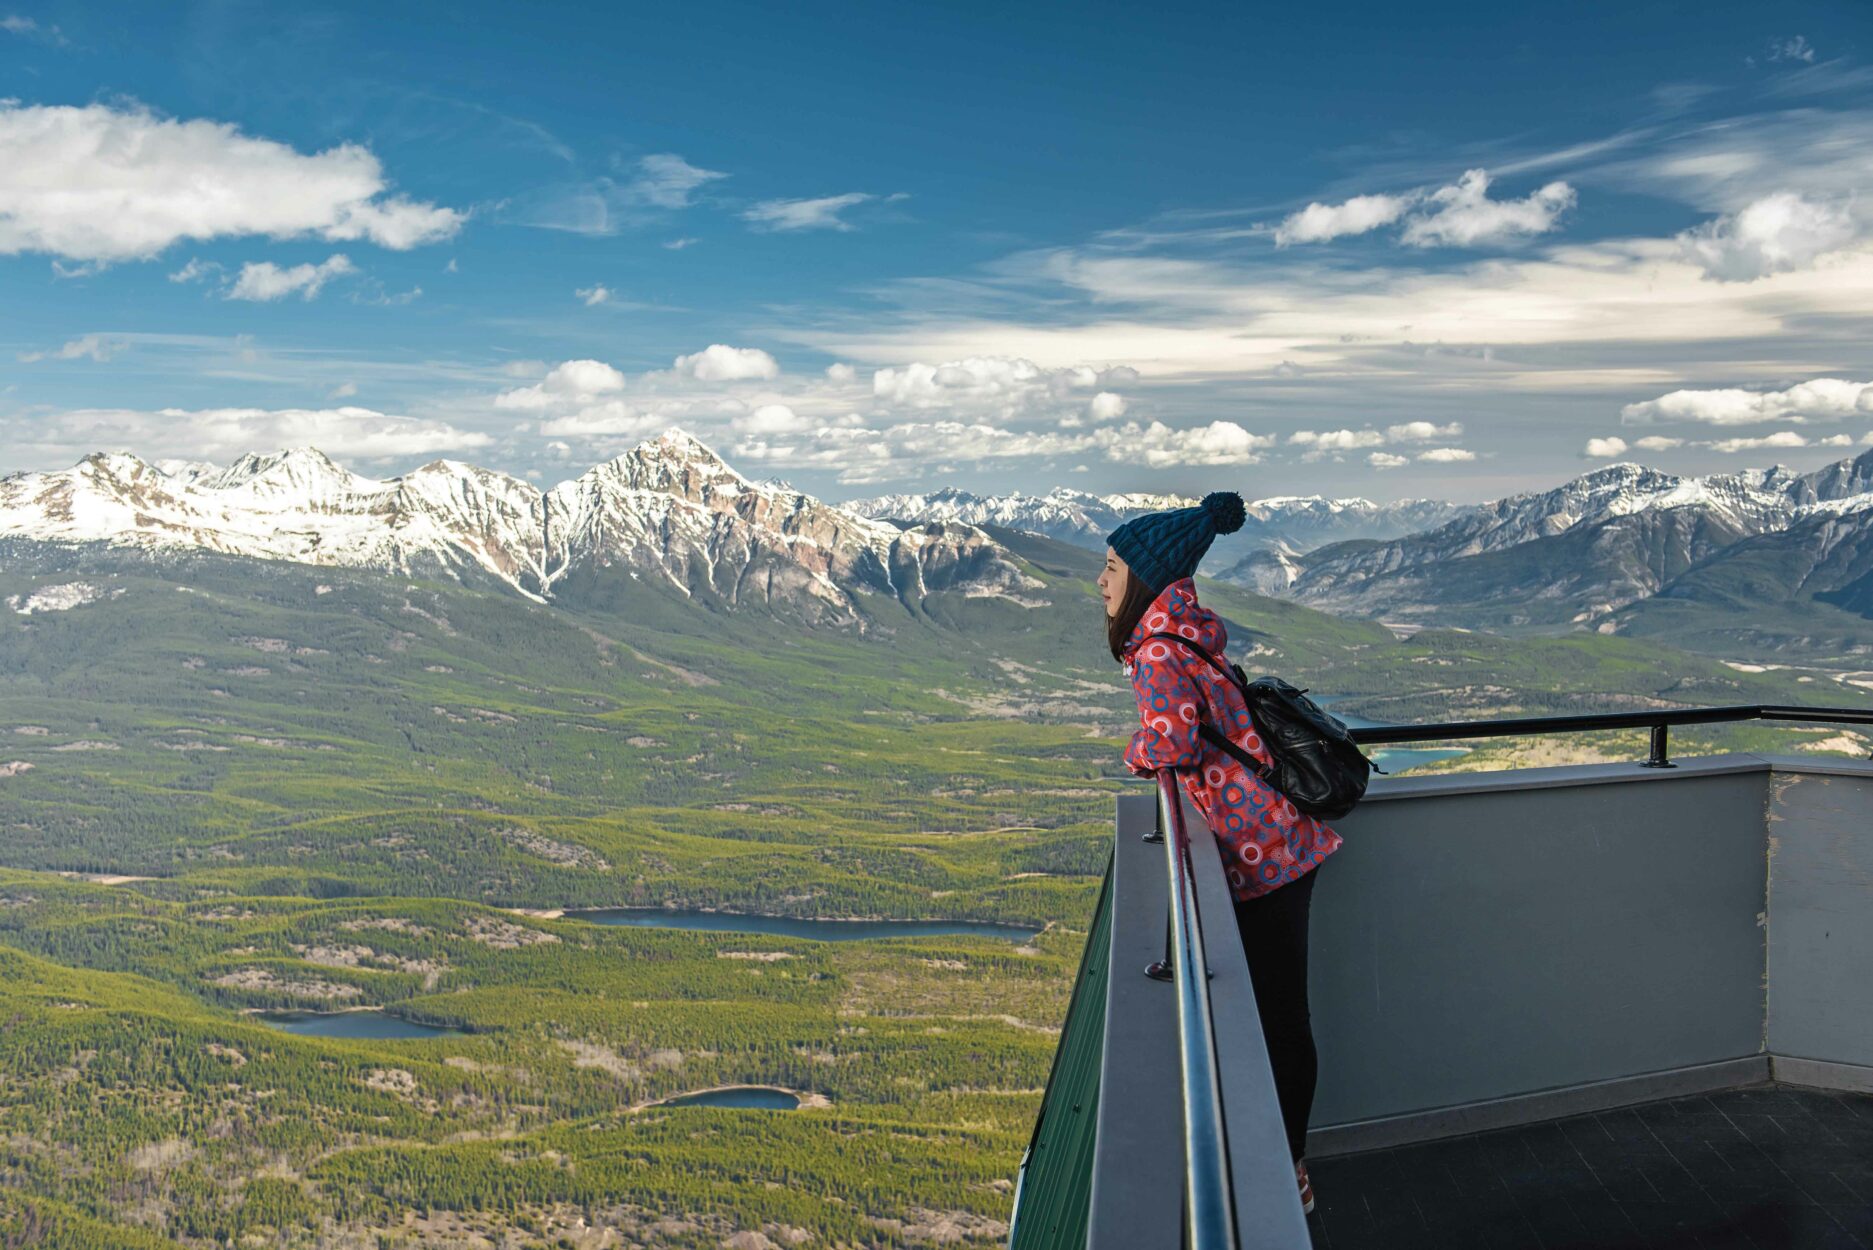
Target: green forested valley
229, 787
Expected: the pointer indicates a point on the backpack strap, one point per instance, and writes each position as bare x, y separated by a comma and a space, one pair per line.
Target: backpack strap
1210, 733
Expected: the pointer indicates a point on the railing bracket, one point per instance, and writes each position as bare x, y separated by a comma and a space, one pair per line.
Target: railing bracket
1661, 755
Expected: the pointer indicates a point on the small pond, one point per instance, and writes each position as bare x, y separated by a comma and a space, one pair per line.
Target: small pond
799, 926
373, 1024
761, 1097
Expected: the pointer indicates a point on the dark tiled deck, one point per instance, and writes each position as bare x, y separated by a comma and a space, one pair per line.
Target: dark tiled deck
1771, 1167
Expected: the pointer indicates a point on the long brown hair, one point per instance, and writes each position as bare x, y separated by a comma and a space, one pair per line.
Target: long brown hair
1119, 626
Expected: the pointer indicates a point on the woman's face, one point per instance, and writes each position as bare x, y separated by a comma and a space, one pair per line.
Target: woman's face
1113, 582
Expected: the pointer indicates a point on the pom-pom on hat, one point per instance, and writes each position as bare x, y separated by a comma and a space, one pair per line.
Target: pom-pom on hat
1164, 547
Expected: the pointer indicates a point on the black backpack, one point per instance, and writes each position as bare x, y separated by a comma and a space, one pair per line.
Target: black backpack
1317, 765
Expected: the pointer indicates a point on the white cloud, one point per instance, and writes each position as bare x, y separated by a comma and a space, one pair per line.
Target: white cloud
1008, 387
771, 419
1823, 399
1317, 223
102, 183
607, 419
1106, 406
568, 383
677, 245
666, 180
1605, 448
1336, 440
1423, 431
1620, 313
1654, 442
811, 214
264, 280
1447, 455
1324, 441
344, 390
841, 374
1386, 460
1465, 216
1458, 215
719, 362
859, 454
1159, 446
226, 433
1775, 234
594, 295
90, 347
1781, 438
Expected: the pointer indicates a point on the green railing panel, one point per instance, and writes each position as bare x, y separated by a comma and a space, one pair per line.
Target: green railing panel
1054, 1196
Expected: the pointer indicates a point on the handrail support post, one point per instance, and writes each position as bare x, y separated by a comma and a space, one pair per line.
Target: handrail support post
1661, 752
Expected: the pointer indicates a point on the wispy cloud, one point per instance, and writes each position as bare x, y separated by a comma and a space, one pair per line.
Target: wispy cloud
94, 347
1792, 48
822, 213
668, 181
223, 433
28, 28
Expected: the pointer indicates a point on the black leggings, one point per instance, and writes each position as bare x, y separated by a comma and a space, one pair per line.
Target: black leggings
1274, 937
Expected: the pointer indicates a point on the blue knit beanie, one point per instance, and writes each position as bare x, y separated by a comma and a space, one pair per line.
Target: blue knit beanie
1164, 547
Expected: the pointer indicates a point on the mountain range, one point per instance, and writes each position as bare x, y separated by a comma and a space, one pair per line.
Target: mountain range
670, 510
1585, 553
1286, 523
1775, 558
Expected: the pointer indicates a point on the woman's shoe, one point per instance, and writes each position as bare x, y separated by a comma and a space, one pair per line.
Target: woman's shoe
1307, 1188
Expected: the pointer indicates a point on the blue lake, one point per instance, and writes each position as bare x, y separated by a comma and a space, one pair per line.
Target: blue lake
799, 926
1392, 759
372, 1024
756, 1096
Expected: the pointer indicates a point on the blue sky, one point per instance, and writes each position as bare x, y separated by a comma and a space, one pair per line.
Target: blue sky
1354, 250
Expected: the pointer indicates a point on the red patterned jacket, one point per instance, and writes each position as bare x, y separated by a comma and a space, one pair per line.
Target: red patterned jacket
1264, 841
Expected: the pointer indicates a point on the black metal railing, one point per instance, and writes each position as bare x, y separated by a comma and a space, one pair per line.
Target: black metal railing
1657, 720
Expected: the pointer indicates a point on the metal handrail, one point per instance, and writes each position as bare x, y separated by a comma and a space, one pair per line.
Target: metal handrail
1209, 1196
1658, 720
1612, 720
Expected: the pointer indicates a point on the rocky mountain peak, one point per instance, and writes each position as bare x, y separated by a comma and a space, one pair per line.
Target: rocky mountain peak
678, 462
298, 475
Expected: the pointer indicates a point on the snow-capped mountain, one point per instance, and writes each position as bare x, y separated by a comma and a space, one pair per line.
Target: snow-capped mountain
444, 518
670, 510
1292, 522
1073, 516
1567, 555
